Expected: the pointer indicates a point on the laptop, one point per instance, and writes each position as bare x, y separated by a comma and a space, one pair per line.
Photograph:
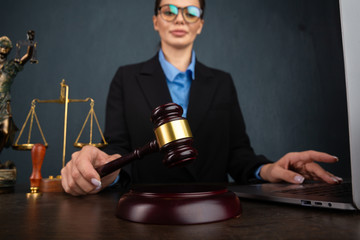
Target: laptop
346, 195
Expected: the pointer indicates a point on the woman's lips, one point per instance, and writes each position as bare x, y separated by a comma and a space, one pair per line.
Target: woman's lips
178, 33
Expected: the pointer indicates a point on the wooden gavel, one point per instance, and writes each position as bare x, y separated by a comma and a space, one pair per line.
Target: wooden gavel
173, 138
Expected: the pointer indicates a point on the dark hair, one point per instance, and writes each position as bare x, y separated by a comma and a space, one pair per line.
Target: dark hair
202, 6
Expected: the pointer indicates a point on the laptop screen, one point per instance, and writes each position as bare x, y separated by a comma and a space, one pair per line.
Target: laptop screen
350, 23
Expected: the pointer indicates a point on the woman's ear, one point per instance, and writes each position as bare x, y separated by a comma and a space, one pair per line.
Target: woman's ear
155, 23
201, 26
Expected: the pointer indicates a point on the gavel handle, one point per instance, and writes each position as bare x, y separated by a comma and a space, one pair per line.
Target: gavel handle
126, 159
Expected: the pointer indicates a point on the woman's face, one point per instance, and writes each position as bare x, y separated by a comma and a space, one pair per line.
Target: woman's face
178, 33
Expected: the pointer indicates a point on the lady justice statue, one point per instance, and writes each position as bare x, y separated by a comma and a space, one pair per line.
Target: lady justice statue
8, 71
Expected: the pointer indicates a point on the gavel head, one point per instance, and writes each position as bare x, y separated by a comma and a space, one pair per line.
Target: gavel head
173, 135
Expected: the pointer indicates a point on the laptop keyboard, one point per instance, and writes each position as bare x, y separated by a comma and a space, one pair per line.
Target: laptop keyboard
338, 190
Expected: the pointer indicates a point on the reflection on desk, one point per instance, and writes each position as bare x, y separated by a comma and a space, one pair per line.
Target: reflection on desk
61, 216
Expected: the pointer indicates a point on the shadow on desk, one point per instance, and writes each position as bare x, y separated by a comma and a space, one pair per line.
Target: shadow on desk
61, 216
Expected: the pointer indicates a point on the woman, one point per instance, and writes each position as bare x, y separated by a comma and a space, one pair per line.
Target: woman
210, 104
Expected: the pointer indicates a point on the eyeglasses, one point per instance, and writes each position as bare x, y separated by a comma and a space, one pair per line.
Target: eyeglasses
191, 14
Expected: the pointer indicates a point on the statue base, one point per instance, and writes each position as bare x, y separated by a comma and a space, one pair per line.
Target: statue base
7, 178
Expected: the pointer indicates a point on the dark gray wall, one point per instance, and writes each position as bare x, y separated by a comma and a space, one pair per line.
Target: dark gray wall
285, 58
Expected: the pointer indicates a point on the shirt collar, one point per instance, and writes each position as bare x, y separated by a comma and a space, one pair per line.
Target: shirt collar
171, 72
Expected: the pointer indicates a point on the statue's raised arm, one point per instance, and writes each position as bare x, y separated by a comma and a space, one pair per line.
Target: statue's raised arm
31, 49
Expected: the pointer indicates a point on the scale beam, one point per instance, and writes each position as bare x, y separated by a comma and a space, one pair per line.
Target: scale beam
63, 99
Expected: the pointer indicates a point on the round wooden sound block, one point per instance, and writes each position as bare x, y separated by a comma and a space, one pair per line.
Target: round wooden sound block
178, 204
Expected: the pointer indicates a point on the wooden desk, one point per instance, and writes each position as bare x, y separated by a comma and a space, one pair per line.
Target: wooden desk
61, 216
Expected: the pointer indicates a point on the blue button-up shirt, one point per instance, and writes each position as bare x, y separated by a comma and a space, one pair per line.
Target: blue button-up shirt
178, 82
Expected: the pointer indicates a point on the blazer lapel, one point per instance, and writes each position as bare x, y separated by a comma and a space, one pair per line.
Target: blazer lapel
152, 81
201, 94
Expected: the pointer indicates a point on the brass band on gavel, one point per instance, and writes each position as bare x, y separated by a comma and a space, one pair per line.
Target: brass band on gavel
172, 131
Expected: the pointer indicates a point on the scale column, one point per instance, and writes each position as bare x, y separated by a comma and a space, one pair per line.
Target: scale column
66, 102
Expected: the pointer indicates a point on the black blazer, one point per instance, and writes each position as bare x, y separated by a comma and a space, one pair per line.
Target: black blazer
213, 114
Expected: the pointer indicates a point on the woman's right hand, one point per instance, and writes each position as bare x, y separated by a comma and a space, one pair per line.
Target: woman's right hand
79, 176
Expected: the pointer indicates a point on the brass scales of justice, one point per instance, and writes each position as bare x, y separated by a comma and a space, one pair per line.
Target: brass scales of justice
54, 184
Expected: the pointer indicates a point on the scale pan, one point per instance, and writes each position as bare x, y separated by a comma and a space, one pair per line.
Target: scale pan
25, 146
98, 145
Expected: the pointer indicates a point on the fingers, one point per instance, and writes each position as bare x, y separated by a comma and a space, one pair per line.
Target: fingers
79, 176
276, 173
304, 162
311, 156
73, 182
318, 175
292, 177
316, 172
296, 167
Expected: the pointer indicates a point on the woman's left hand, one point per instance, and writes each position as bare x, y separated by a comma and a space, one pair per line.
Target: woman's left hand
295, 167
